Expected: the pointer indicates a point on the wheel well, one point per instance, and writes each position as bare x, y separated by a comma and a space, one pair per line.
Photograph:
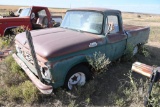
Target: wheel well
9, 31
83, 63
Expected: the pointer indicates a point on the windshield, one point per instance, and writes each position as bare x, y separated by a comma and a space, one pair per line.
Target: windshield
83, 20
25, 12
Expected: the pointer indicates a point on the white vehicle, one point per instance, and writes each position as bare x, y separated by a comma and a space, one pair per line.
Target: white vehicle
17, 13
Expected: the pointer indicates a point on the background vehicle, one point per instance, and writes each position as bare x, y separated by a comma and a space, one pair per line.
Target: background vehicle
42, 19
61, 52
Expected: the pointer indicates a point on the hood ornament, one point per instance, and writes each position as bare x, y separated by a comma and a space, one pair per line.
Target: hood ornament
93, 44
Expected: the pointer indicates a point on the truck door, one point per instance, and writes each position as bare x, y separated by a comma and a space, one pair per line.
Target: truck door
116, 39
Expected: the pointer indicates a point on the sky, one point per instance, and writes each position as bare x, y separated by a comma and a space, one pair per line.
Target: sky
142, 6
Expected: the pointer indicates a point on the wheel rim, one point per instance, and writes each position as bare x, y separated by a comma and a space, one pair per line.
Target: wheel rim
135, 50
78, 78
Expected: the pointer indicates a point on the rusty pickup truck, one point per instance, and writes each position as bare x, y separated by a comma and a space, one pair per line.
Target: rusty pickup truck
61, 52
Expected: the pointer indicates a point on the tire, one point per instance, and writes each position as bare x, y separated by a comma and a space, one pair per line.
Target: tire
135, 50
78, 75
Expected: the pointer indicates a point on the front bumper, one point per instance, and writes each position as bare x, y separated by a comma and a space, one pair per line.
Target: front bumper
45, 89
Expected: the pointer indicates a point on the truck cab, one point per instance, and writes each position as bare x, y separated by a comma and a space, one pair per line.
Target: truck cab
102, 22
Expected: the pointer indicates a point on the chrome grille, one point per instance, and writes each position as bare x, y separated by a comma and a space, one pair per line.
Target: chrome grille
25, 54
28, 57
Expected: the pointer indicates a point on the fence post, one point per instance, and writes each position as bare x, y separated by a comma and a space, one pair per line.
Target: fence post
32, 51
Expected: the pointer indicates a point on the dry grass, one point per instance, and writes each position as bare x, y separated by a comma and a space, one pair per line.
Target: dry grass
146, 20
117, 87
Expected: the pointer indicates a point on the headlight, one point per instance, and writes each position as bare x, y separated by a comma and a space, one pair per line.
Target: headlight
48, 64
46, 74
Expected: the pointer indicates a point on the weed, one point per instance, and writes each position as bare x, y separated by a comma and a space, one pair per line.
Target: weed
1, 43
132, 82
128, 53
120, 102
25, 91
73, 104
155, 99
11, 79
144, 51
132, 90
2, 91
15, 68
12, 66
79, 96
88, 100
14, 93
88, 90
98, 62
20, 29
29, 92
4, 42
13, 75
8, 61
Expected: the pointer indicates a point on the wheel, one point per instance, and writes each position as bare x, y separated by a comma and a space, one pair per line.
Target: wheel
78, 75
135, 50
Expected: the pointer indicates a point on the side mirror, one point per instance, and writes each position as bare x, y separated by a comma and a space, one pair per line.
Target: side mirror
110, 28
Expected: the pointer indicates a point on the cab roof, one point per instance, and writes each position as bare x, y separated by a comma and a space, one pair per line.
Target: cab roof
103, 10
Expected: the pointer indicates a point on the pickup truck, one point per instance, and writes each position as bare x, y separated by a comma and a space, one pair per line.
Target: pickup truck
61, 52
34, 17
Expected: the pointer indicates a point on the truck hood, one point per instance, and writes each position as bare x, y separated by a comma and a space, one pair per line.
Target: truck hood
13, 19
55, 42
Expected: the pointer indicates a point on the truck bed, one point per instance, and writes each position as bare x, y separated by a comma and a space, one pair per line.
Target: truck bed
131, 28
136, 34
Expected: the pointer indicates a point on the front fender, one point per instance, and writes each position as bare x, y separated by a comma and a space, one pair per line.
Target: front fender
61, 68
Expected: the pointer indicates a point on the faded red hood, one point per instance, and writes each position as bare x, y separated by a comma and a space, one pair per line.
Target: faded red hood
58, 41
14, 19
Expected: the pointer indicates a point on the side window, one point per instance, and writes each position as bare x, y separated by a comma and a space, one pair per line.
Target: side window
42, 19
42, 13
112, 25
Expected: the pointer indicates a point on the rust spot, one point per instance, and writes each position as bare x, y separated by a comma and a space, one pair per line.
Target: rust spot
134, 30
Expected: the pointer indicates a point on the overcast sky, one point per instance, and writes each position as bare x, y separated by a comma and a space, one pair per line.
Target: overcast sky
145, 6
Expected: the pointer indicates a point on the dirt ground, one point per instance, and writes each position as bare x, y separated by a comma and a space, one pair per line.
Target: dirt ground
108, 88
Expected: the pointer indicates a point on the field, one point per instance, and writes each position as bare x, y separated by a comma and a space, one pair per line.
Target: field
118, 86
